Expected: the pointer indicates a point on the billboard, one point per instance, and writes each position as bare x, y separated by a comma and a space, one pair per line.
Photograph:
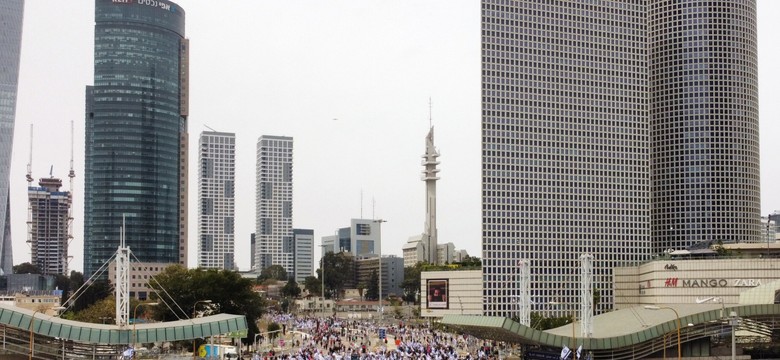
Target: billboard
438, 290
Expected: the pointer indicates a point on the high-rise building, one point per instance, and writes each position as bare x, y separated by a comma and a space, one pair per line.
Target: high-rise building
359, 239
565, 157
49, 226
703, 123
392, 273
273, 203
216, 201
303, 254
136, 134
252, 251
11, 14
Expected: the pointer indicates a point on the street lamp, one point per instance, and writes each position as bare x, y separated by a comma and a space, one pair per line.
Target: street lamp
733, 322
194, 311
32, 321
381, 308
135, 318
679, 347
322, 271
256, 335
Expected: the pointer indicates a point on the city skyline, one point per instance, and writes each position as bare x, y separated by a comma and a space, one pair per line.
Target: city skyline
427, 50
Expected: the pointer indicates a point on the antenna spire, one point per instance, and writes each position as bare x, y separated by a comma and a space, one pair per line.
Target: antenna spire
430, 112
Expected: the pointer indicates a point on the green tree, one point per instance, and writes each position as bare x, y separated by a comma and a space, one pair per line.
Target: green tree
596, 299
26, 268
273, 272
312, 285
228, 291
411, 283
339, 272
103, 311
372, 291
273, 329
470, 261
84, 295
361, 287
291, 289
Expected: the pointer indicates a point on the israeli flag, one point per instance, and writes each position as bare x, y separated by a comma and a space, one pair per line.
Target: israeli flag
579, 352
565, 352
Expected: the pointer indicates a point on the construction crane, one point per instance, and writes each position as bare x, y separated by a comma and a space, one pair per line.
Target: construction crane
71, 174
29, 184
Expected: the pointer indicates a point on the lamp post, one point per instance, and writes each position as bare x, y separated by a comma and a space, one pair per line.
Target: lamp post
32, 321
32, 339
733, 322
135, 318
322, 272
381, 308
679, 347
194, 311
256, 335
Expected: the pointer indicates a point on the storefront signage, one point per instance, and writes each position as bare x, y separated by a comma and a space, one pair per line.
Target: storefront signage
696, 283
672, 267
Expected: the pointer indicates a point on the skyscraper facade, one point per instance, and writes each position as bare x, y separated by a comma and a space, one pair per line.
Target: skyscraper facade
11, 14
565, 147
273, 203
704, 123
303, 254
216, 200
49, 226
136, 133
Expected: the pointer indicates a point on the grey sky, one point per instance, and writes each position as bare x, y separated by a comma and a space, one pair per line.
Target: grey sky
290, 68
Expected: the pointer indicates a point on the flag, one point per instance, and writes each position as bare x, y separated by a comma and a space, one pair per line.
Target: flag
565, 352
579, 352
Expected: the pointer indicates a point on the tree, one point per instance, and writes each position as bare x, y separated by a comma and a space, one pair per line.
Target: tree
103, 311
339, 272
273, 329
411, 283
88, 294
291, 289
26, 268
372, 292
228, 291
360, 288
273, 272
470, 261
312, 285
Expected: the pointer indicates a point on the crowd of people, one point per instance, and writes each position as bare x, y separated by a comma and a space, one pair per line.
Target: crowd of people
332, 338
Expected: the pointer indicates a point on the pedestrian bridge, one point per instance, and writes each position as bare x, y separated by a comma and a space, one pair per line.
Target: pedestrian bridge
637, 332
25, 331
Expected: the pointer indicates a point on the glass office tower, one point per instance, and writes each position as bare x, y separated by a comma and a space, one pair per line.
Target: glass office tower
136, 133
11, 13
704, 123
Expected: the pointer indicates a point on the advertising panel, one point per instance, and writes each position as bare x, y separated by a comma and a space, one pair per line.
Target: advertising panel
438, 290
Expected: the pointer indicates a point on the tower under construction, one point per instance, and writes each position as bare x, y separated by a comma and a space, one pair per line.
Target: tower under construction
49, 226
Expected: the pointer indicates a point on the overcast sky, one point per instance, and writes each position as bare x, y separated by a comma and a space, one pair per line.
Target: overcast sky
349, 80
